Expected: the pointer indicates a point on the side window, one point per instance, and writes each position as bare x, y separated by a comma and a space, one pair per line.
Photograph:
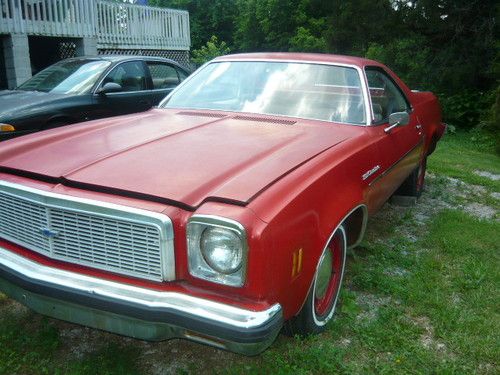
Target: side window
129, 75
385, 95
164, 76
182, 74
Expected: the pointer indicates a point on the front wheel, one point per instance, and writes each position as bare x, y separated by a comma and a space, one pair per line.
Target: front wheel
323, 296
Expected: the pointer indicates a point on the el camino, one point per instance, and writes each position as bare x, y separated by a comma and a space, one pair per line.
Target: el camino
222, 215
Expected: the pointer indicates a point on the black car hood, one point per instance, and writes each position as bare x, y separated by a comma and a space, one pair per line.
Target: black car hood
12, 101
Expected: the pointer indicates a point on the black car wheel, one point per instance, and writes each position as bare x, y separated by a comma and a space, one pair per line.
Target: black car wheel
414, 184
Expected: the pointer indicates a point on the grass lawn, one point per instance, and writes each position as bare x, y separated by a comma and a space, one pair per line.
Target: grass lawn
421, 296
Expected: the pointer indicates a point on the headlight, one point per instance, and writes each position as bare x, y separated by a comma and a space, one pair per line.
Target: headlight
222, 249
6, 127
217, 249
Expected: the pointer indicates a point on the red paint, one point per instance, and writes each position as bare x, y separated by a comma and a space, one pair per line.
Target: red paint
293, 184
322, 304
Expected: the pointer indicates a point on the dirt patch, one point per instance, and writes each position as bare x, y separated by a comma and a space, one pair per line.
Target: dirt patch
370, 304
181, 356
79, 341
480, 211
396, 271
12, 307
344, 342
488, 175
452, 193
427, 338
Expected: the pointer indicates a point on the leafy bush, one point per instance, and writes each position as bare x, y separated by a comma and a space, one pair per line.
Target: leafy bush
210, 50
409, 58
490, 121
465, 109
305, 41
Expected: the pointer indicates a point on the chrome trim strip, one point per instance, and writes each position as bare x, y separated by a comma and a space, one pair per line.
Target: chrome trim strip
217, 221
147, 298
364, 88
379, 68
103, 209
420, 143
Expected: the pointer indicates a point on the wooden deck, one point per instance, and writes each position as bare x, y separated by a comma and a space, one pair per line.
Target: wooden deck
114, 25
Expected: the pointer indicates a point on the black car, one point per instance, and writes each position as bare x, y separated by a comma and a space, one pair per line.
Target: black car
87, 88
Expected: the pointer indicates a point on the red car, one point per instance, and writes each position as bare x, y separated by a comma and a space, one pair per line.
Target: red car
222, 214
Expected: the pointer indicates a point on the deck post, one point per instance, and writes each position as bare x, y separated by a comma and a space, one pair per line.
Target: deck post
17, 59
86, 46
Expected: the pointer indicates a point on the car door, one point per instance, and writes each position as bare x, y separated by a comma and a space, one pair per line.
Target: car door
400, 148
164, 77
133, 95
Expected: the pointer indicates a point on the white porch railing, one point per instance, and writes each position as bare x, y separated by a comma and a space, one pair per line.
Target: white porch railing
143, 27
113, 24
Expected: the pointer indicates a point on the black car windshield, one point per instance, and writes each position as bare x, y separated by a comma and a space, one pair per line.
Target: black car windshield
304, 90
67, 77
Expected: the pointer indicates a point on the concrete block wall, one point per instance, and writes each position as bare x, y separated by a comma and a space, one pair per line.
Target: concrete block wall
86, 46
17, 59
16, 54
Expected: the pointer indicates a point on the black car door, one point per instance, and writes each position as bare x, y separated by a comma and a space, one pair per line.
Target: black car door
132, 94
165, 77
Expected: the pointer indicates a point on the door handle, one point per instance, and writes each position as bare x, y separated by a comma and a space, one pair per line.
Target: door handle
418, 127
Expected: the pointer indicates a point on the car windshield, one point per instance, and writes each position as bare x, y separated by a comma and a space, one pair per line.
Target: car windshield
304, 90
67, 77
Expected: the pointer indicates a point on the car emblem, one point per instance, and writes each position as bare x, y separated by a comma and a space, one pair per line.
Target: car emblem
370, 172
47, 232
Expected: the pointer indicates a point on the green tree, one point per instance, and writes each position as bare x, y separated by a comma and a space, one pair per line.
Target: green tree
265, 25
207, 18
447, 46
209, 51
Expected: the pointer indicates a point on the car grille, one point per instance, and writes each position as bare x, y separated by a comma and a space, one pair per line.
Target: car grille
101, 239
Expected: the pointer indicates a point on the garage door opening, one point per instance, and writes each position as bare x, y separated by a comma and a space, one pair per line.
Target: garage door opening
45, 51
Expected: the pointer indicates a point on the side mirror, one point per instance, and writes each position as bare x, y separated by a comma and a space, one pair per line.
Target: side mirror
397, 119
109, 88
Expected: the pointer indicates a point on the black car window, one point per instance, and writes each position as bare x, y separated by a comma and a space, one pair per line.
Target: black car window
67, 77
164, 75
182, 74
386, 97
129, 75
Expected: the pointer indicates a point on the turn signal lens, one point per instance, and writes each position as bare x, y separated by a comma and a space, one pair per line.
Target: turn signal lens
7, 128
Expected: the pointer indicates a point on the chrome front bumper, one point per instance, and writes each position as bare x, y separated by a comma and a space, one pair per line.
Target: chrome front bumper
133, 311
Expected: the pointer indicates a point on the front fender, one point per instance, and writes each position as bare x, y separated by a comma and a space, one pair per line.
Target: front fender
300, 222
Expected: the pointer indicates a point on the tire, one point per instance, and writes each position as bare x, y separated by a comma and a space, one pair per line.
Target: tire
322, 299
414, 184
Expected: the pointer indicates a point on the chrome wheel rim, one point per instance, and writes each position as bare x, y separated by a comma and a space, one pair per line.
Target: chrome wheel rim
328, 279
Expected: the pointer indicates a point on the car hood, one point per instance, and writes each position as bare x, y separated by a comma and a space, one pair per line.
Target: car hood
12, 101
179, 156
